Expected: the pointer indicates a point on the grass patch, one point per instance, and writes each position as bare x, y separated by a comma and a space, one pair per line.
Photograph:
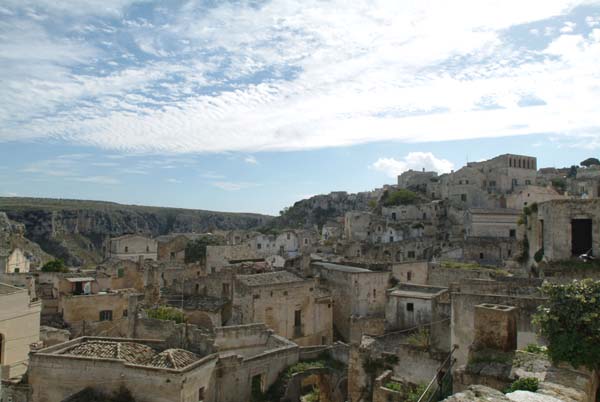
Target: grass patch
468, 266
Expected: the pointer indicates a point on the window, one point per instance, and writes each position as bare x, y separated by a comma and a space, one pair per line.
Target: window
225, 289
424, 215
298, 324
126, 249
305, 241
512, 233
409, 276
463, 197
285, 293
374, 293
213, 270
481, 256
410, 307
391, 239
258, 246
528, 182
106, 315
120, 273
147, 249
125, 312
256, 297
393, 216
172, 255
288, 236
197, 289
411, 254
201, 395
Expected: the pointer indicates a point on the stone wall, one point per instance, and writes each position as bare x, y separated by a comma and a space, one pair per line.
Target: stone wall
463, 308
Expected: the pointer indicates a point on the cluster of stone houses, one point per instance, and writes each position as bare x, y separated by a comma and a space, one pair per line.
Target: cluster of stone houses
400, 294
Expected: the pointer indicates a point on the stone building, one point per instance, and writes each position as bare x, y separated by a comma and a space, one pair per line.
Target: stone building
499, 222
14, 262
172, 247
359, 298
356, 225
564, 229
410, 306
120, 274
96, 312
586, 184
19, 329
293, 307
416, 180
132, 247
482, 184
529, 195
240, 360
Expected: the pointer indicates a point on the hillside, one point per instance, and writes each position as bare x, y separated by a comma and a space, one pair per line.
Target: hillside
76, 229
317, 210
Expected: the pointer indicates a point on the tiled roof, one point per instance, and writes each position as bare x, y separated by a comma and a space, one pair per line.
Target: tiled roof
130, 352
173, 359
269, 278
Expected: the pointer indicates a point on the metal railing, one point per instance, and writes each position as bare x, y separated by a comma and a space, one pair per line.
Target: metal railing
440, 386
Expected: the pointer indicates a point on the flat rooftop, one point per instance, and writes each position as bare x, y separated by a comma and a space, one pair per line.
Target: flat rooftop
340, 267
269, 278
417, 291
8, 289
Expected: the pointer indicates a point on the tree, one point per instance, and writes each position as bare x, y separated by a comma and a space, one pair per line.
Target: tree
56, 265
196, 250
570, 322
572, 172
399, 197
590, 162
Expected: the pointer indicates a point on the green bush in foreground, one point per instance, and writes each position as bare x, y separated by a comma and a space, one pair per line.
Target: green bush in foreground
570, 322
523, 384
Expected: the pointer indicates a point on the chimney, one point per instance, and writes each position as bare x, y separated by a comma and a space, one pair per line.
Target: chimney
495, 327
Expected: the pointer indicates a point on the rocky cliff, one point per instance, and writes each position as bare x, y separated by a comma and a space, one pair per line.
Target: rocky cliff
75, 230
317, 210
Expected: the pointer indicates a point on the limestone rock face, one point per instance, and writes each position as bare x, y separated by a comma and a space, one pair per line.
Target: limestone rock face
76, 230
526, 396
12, 236
478, 393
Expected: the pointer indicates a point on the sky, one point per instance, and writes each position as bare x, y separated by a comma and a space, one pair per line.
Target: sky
253, 105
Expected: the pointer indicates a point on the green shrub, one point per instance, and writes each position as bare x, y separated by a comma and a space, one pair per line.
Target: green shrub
166, 313
196, 250
399, 197
420, 338
539, 255
537, 349
570, 321
415, 394
57, 265
523, 384
394, 386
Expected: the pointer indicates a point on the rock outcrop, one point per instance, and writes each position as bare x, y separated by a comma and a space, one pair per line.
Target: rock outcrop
76, 230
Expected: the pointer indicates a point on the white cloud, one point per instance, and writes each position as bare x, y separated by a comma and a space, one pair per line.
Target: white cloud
174, 181
97, 179
251, 160
336, 74
415, 161
233, 186
212, 175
